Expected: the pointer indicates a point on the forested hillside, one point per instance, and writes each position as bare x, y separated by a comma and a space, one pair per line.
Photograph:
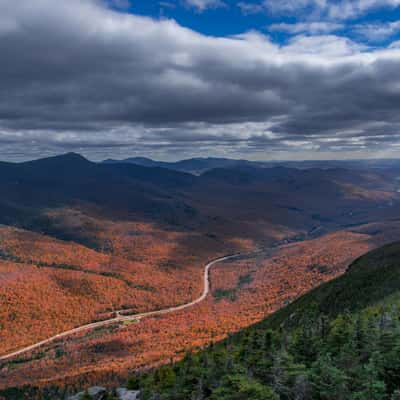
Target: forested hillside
81, 242
340, 341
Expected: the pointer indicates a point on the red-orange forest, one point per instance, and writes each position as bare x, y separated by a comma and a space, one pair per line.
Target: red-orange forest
77, 247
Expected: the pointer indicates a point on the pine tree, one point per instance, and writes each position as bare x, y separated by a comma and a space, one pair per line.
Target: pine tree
328, 382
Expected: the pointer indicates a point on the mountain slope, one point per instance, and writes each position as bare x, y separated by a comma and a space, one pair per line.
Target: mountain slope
233, 200
340, 341
138, 237
70, 180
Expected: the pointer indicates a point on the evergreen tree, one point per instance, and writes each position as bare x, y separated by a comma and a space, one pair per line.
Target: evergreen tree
240, 387
328, 382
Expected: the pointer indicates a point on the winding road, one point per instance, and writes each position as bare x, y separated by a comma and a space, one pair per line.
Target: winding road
122, 318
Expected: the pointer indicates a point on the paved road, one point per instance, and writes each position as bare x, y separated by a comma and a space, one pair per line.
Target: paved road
120, 318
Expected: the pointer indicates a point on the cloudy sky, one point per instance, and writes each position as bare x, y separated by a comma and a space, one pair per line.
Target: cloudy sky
258, 79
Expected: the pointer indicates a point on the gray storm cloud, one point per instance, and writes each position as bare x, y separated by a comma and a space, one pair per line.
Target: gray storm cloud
78, 75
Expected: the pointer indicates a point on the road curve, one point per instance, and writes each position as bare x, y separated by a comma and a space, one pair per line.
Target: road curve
121, 318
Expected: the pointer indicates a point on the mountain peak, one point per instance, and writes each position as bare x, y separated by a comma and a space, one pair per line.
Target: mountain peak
71, 156
63, 158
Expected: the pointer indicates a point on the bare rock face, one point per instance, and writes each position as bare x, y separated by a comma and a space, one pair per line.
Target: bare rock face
124, 394
100, 393
96, 392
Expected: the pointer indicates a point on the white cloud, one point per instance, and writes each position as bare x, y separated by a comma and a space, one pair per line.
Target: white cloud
202, 5
250, 8
347, 9
292, 6
318, 9
379, 31
306, 27
395, 45
323, 46
83, 76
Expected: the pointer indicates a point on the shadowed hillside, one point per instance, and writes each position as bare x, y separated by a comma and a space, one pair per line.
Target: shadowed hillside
243, 199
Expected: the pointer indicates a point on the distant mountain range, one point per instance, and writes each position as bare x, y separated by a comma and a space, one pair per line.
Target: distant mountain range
239, 193
192, 165
200, 165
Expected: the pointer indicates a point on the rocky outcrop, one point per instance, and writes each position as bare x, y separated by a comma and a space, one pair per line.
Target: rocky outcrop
100, 393
96, 392
124, 394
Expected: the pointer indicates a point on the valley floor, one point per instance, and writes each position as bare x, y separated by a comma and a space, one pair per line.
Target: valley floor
243, 292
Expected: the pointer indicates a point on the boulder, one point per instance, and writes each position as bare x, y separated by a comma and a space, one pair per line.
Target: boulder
125, 394
97, 393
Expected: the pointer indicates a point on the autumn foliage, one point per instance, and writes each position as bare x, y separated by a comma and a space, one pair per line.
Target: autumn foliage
42, 296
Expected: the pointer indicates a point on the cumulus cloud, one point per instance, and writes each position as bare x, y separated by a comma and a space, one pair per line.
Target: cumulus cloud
82, 77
